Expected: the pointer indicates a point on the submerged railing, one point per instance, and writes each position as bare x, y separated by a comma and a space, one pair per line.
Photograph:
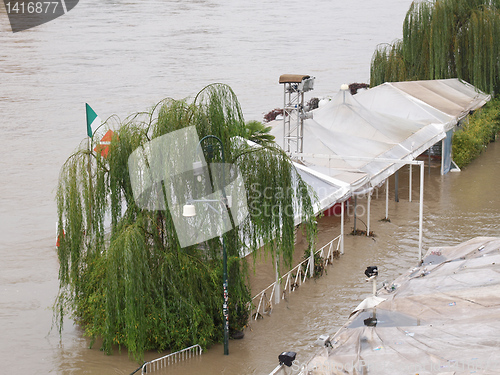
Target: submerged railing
294, 278
158, 364
279, 370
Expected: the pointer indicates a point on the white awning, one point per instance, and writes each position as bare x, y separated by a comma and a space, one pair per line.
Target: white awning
444, 101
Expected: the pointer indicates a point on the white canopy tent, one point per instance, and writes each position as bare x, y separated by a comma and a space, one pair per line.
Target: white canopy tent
444, 101
344, 139
353, 130
327, 190
453, 96
358, 146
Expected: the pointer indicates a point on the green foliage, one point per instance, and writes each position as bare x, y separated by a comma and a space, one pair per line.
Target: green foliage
319, 264
123, 275
444, 39
257, 132
473, 137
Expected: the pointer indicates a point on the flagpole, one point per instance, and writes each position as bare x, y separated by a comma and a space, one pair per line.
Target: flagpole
93, 122
89, 143
90, 134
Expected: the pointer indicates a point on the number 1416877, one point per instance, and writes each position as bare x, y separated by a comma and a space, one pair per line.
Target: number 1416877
32, 7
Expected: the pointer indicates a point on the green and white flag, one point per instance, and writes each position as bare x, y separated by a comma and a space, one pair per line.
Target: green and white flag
93, 121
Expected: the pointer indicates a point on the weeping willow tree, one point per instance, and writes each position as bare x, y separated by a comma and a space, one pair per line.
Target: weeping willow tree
123, 275
444, 39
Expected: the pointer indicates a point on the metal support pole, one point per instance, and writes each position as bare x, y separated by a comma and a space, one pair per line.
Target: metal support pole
311, 263
277, 292
225, 303
421, 212
387, 199
368, 214
429, 154
284, 119
442, 155
278, 369
355, 209
409, 183
396, 187
300, 125
342, 228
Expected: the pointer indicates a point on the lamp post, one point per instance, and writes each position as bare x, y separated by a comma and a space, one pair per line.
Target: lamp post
189, 211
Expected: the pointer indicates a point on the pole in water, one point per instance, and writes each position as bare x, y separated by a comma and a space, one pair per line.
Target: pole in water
410, 183
342, 228
387, 199
429, 153
396, 183
355, 207
368, 214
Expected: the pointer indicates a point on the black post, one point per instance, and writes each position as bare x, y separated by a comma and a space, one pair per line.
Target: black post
225, 303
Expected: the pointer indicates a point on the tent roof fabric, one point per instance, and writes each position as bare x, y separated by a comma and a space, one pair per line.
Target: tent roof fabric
343, 130
347, 137
344, 114
327, 190
444, 101
451, 96
439, 318
388, 99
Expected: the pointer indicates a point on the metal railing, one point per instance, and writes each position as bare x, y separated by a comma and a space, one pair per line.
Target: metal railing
158, 364
279, 370
294, 278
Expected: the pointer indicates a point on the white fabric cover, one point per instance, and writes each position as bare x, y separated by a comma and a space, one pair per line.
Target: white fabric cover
444, 101
438, 318
343, 130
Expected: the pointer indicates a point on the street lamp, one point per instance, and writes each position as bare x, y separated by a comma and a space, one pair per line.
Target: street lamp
189, 210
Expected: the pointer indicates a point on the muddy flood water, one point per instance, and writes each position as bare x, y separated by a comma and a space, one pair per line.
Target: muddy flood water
122, 57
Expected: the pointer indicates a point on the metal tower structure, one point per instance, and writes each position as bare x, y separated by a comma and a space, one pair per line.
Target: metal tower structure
294, 87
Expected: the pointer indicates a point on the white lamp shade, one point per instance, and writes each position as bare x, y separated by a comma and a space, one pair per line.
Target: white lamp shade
188, 210
197, 168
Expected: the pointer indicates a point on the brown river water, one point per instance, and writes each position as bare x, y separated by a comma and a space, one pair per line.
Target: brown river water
123, 57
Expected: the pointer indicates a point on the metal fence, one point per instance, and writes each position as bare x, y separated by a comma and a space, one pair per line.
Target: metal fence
158, 364
279, 370
262, 303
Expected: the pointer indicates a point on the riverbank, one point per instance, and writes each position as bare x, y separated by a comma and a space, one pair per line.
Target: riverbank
471, 139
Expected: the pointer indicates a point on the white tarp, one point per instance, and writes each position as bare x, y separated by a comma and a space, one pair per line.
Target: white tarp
326, 190
444, 101
343, 130
452, 96
439, 318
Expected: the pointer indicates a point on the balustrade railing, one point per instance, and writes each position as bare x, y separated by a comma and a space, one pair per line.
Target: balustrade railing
262, 303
